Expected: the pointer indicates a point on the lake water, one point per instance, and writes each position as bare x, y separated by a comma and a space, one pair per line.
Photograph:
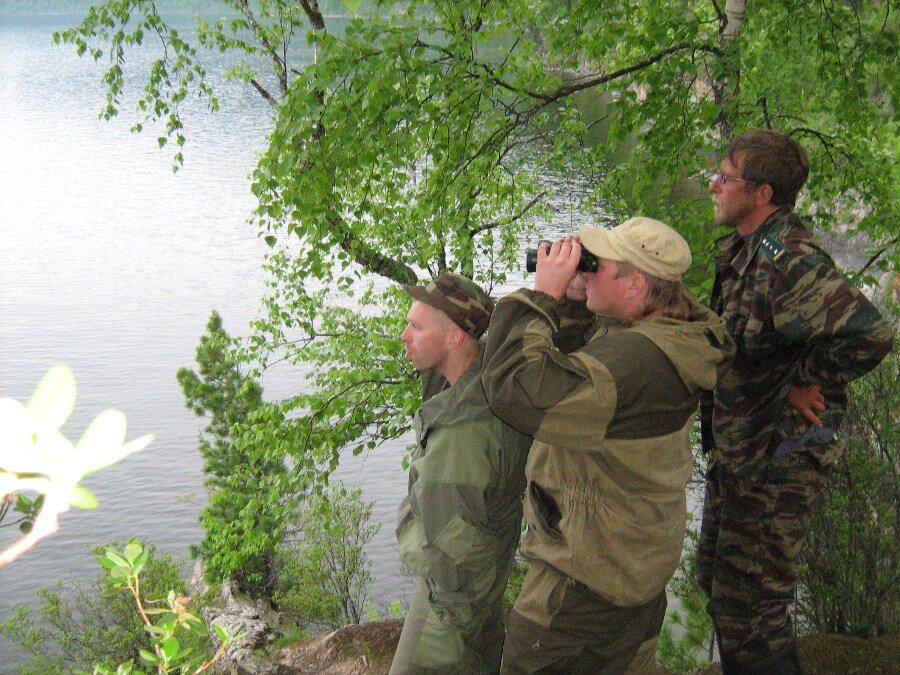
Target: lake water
111, 264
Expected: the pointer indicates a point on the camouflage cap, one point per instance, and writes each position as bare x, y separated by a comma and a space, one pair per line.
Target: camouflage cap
460, 298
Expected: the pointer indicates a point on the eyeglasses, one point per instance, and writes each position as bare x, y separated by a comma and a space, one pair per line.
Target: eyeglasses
725, 180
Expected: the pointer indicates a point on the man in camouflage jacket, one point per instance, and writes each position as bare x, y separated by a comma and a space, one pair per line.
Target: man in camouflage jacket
460, 523
802, 333
607, 380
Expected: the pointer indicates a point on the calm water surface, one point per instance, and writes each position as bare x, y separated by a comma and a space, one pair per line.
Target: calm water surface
111, 263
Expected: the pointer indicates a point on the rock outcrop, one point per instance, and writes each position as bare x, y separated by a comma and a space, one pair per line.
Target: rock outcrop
254, 622
350, 650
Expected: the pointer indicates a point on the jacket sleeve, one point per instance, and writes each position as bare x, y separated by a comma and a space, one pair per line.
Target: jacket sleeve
561, 399
841, 334
460, 554
576, 325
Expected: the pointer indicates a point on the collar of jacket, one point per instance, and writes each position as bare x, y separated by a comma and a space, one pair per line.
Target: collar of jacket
738, 252
465, 400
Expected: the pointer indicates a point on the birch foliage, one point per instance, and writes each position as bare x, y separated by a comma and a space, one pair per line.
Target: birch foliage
422, 137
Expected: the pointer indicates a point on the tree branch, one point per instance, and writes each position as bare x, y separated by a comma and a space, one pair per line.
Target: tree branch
263, 92
562, 92
280, 66
765, 111
825, 140
369, 258
878, 254
497, 223
314, 14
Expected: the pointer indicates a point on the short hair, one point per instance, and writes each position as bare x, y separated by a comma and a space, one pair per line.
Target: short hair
773, 158
671, 299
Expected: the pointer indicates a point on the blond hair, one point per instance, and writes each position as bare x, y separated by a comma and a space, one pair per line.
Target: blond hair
671, 299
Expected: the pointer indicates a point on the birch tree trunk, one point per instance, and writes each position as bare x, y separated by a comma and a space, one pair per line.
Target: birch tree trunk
727, 83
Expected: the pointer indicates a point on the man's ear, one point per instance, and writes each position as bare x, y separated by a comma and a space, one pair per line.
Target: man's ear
763, 194
455, 337
639, 283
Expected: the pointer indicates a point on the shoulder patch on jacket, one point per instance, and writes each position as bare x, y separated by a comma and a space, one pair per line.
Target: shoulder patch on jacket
775, 251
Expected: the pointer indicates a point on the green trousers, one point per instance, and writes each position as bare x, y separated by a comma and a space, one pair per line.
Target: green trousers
429, 645
559, 625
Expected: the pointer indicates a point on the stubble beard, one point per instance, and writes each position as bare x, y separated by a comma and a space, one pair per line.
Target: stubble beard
724, 218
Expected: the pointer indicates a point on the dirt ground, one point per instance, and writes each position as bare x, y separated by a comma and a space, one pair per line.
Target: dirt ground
369, 648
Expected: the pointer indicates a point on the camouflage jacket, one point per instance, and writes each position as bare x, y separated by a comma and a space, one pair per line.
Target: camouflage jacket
611, 417
459, 526
795, 320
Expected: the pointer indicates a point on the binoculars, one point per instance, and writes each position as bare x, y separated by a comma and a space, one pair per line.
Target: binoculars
588, 262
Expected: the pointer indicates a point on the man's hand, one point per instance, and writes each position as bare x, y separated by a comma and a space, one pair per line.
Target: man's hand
808, 401
577, 288
556, 266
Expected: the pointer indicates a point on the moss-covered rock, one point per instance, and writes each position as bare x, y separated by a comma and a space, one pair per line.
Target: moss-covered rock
841, 655
822, 654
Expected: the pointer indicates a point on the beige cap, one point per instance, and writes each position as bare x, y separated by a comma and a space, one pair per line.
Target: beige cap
651, 246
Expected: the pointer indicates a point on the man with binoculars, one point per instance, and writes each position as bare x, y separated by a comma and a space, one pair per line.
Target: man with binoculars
604, 369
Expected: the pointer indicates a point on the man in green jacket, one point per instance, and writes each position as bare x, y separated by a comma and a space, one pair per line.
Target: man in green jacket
458, 528
605, 370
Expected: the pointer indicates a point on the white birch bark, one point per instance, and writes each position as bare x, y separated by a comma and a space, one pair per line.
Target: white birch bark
734, 15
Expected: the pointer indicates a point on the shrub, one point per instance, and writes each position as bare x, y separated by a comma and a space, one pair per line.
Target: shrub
849, 579
82, 626
684, 642
253, 492
324, 574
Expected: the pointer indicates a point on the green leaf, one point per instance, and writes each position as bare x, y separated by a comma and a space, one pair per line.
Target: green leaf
54, 399
116, 558
82, 498
106, 562
141, 562
148, 657
170, 648
133, 551
157, 610
121, 573
220, 633
194, 624
351, 5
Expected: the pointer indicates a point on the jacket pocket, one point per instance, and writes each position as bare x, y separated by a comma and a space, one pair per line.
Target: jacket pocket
545, 509
410, 539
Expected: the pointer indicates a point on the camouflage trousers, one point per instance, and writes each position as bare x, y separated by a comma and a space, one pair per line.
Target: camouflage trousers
560, 626
751, 535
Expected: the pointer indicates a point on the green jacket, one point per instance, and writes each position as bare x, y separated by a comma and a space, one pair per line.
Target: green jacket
459, 526
611, 419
